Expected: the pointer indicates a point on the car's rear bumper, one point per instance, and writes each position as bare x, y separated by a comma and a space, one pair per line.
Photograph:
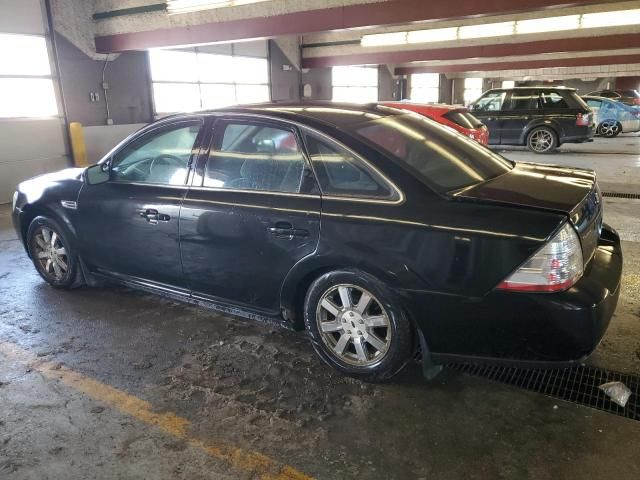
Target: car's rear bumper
527, 327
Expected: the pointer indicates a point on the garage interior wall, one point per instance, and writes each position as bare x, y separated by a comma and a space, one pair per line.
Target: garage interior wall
30, 146
128, 91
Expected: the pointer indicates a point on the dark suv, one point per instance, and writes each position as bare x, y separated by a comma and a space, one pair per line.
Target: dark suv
542, 118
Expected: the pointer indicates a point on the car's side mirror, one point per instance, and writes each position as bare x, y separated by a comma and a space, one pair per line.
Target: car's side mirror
96, 174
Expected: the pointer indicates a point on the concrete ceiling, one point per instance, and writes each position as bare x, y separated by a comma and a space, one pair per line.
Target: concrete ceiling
329, 32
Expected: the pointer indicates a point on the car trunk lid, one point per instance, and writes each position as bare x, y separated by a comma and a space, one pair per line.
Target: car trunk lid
571, 191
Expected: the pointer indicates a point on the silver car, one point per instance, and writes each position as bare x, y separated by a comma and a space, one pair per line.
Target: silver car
613, 117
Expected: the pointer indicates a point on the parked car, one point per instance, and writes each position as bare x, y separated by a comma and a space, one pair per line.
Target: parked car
613, 117
454, 116
629, 97
542, 118
380, 232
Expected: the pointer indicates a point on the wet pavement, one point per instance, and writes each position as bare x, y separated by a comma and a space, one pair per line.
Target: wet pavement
114, 383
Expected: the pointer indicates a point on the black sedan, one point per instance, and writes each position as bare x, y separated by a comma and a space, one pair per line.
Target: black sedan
380, 232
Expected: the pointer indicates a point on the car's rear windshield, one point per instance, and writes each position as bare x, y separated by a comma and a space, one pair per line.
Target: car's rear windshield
463, 118
437, 155
630, 93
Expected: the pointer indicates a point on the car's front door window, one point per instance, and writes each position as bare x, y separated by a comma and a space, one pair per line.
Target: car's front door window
491, 102
158, 157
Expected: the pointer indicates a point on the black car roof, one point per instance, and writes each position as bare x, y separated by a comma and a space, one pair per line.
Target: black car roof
536, 87
332, 113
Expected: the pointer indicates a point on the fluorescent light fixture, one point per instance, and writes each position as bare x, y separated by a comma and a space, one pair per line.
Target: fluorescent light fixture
185, 6
611, 19
550, 24
433, 35
508, 84
500, 29
381, 39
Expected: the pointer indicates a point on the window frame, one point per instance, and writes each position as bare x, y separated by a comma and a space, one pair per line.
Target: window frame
309, 185
52, 76
374, 68
199, 83
174, 123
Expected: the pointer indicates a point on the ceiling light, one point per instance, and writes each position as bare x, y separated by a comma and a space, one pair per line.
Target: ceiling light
381, 39
611, 19
487, 30
550, 24
433, 35
185, 6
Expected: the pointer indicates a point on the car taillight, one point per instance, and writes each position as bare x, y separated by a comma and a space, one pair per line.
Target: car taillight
555, 267
583, 119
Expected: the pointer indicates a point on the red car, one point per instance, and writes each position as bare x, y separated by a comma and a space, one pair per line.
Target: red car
453, 116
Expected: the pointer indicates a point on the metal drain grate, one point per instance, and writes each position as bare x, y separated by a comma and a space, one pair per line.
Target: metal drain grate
621, 195
577, 384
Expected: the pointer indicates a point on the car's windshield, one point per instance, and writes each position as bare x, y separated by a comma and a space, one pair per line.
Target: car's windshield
440, 157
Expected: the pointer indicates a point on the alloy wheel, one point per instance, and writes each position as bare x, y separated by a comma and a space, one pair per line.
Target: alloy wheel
609, 128
50, 253
353, 325
541, 140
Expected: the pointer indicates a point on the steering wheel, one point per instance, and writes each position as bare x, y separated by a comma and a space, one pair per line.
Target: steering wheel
166, 159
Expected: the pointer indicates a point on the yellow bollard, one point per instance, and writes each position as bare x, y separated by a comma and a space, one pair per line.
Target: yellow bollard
78, 147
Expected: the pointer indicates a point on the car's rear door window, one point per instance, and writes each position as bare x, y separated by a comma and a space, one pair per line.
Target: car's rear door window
522, 100
254, 156
342, 173
442, 159
463, 118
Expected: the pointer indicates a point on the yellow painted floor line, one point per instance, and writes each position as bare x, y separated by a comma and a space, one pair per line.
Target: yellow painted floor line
261, 466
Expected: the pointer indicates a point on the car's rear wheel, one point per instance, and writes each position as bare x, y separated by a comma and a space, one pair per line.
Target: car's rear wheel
357, 326
542, 140
51, 253
609, 128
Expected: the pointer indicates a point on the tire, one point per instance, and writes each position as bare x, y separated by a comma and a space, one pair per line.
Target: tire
52, 253
609, 128
375, 340
542, 140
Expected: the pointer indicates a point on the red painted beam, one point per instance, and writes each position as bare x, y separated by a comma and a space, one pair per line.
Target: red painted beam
352, 16
521, 65
607, 42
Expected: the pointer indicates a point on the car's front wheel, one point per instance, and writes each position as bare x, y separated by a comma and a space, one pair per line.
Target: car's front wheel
51, 253
357, 326
542, 140
609, 128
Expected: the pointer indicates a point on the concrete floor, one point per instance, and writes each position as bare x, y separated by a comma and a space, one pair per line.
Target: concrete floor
113, 383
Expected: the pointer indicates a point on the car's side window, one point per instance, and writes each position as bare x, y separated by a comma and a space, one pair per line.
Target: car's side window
595, 104
491, 102
522, 100
253, 156
552, 100
159, 157
341, 173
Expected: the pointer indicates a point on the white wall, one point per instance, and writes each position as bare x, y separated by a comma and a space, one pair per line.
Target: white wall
28, 147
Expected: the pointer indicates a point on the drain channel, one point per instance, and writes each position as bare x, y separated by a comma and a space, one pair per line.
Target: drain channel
576, 384
621, 195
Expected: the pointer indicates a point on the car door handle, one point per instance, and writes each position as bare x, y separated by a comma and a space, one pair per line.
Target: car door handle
286, 230
152, 216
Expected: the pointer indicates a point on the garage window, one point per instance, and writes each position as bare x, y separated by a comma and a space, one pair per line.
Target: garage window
425, 87
472, 89
188, 80
355, 84
26, 84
